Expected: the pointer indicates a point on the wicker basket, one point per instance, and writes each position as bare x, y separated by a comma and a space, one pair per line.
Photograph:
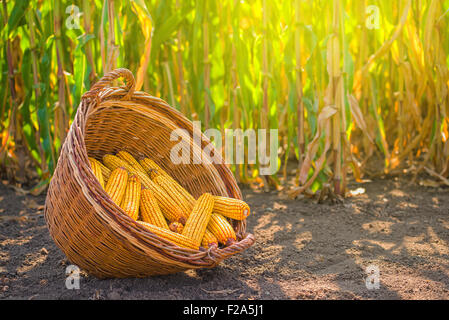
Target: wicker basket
95, 233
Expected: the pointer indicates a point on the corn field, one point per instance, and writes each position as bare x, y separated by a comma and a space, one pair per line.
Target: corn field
355, 88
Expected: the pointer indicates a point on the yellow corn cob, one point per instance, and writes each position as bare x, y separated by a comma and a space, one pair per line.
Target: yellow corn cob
96, 168
105, 171
126, 156
231, 208
176, 227
221, 229
151, 168
169, 208
169, 187
116, 185
150, 211
209, 240
181, 190
113, 162
154, 170
145, 179
131, 199
198, 220
176, 238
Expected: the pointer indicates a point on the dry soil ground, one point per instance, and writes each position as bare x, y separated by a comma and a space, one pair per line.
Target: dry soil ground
304, 250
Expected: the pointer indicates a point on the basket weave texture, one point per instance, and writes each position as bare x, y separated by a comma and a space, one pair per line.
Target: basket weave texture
94, 232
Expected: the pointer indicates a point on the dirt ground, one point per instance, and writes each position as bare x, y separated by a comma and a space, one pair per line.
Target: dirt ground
303, 250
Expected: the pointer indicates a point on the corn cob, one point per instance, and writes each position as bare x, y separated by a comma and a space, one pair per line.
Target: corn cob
176, 227
144, 178
180, 200
176, 238
150, 211
198, 220
221, 229
116, 185
169, 208
151, 168
131, 199
126, 156
105, 171
113, 162
231, 208
154, 170
181, 190
96, 168
209, 240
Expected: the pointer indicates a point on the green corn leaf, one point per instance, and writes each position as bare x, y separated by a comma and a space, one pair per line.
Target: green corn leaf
16, 17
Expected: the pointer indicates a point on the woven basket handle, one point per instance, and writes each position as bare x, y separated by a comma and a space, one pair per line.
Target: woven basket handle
108, 78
